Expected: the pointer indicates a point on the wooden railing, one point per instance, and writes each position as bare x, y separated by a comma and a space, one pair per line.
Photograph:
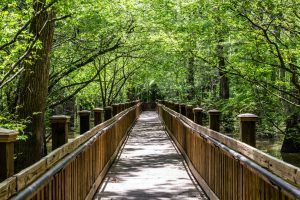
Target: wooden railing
74, 170
227, 168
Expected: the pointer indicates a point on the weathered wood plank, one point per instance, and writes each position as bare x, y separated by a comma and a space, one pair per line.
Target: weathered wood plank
31, 173
8, 187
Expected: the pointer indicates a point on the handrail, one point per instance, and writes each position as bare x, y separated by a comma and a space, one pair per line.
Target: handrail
101, 144
27, 192
237, 156
280, 168
174, 121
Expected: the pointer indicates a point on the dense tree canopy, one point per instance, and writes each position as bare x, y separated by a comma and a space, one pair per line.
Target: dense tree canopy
236, 56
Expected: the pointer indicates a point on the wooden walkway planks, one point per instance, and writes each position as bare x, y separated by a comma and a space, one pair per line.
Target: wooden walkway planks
149, 167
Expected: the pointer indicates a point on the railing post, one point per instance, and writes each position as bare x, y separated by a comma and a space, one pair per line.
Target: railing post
176, 107
60, 130
166, 103
115, 109
171, 105
7, 139
158, 106
198, 114
84, 116
214, 119
98, 116
158, 102
122, 106
108, 113
119, 108
247, 128
189, 112
182, 109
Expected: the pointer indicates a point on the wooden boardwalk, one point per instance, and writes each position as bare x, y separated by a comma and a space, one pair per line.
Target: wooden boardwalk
149, 167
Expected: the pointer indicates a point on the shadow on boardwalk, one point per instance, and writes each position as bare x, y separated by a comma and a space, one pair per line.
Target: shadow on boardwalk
149, 167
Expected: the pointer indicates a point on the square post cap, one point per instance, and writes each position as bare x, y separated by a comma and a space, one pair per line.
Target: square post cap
7, 135
189, 106
84, 112
197, 109
214, 112
98, 109
248, 117
60, 118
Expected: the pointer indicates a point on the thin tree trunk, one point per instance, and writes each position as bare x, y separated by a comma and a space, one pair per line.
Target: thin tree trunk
224, 80
223, 77
191, 79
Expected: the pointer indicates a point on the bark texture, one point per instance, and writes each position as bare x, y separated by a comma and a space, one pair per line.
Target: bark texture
191, 79
291, 142
33, 88
224, 80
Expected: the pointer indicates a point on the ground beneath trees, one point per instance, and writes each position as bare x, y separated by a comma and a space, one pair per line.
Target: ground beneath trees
149, 167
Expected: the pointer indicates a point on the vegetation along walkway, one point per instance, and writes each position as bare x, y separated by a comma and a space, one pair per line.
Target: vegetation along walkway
149, 167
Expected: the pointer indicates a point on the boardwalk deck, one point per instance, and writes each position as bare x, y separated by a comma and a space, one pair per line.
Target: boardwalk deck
149, 167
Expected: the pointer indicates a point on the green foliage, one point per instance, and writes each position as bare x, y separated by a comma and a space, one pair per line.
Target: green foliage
147, 45
8, 121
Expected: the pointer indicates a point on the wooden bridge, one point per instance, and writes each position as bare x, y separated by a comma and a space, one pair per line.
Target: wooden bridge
158, 155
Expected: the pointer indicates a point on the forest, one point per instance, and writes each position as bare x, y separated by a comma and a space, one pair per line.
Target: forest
58, 57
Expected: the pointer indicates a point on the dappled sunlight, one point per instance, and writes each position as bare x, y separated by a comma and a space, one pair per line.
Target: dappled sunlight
149, 167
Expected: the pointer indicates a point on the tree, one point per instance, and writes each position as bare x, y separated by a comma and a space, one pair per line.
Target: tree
102, 52
33, 86
272, 27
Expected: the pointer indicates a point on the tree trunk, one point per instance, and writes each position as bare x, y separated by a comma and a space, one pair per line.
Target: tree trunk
224, 81
33, 89
291, 142
191, 79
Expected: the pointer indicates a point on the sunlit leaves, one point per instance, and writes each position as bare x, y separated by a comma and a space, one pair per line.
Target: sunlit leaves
160, 36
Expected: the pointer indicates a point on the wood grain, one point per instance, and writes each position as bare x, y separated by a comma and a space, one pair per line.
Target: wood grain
225, 176
77, 178
276, 166
8, 188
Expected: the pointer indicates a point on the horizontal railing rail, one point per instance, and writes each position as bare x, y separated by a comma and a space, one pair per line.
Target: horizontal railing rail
76, 169
228, 168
